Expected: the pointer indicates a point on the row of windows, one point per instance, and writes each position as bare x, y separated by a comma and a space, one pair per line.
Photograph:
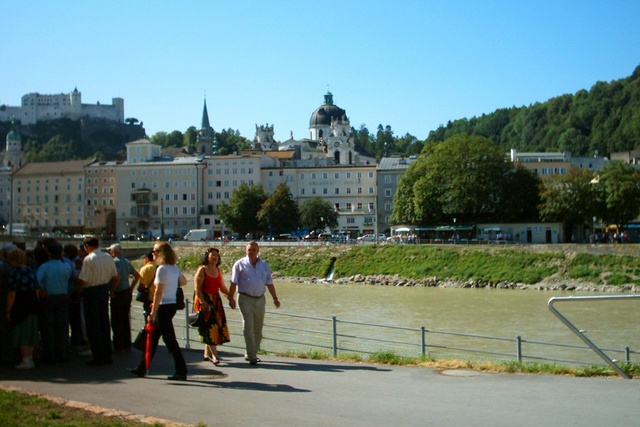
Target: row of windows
350, 206
46, 198
105, 190
45, 210
336, 190
233, 171
325, 175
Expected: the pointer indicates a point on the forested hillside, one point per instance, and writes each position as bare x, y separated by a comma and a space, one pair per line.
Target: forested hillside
606, 119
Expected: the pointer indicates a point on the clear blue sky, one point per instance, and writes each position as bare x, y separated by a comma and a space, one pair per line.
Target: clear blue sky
412, 65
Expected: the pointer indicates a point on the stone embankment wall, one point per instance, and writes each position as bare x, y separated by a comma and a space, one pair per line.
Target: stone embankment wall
396, 280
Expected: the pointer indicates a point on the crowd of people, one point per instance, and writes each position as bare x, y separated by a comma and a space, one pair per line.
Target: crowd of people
67, 299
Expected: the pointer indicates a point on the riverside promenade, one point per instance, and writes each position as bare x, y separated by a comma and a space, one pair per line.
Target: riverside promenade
284, 391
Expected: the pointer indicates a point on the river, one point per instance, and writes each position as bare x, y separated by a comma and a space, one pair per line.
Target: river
491, 312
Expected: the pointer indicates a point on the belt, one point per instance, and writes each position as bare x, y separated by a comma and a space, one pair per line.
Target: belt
250, 296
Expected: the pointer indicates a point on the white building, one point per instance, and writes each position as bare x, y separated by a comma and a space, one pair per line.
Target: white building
36, 107
50, 195
154, 193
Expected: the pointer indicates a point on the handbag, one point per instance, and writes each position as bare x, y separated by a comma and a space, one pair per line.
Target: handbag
140, 343
197, 319
143, 294
180, 299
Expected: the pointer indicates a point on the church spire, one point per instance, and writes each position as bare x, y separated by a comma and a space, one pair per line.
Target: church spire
205, 116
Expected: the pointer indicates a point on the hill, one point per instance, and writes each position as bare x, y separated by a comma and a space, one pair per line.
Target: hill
601, 120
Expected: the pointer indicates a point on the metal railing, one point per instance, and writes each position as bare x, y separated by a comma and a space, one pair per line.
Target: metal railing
292, 333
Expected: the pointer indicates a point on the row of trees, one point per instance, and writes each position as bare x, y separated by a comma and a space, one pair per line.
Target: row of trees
252, 211
471, 179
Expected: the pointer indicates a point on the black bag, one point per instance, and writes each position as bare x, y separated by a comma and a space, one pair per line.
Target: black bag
140, 343
180, 299
196, 319
143, 294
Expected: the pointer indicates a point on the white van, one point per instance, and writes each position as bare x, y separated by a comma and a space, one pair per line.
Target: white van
199, 235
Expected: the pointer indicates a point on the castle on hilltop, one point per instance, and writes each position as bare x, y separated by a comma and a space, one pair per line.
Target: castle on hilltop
36, 107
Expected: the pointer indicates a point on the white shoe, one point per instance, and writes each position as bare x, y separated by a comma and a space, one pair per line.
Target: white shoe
26, 364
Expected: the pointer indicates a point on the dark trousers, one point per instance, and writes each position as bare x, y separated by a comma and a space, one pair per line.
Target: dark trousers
95, 301
55, 327
75, 320
164, 328
120, 320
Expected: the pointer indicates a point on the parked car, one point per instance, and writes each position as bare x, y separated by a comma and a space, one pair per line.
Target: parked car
325, 237
312, 236
367, 238
285, 237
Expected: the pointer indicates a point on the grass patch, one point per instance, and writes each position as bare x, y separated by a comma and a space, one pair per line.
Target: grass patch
18, 410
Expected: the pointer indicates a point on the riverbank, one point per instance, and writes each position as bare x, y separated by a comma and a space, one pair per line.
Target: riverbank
535, 267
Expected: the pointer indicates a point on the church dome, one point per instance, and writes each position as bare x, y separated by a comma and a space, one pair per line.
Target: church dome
322, 115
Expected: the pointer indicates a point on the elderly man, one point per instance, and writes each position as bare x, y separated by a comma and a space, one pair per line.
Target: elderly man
96, 277
121, 292
252, 276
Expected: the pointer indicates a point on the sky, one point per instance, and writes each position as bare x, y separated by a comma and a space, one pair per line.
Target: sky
412, 65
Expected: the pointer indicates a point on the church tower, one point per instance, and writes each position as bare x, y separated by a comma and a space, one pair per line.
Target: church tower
14, 156
204, 141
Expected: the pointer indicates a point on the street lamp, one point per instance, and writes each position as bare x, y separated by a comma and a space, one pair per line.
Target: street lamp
454, 231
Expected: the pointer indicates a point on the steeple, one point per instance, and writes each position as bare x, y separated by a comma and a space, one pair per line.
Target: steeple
205, 138
205, 116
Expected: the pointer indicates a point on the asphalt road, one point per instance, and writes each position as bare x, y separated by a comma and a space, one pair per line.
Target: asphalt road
287, 392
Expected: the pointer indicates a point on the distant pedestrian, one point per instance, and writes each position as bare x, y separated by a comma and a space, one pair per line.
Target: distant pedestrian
121, 296
54, 277
22, 306
7, 351
96, 276
252, 276
147, 275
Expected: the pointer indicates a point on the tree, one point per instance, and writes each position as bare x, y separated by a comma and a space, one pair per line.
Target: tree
190, 137
573, 199
279, 213
620, 186
317, 214
464, 177
241, 213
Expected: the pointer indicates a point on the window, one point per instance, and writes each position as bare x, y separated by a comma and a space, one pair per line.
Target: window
387, 179
348, 206
387, 192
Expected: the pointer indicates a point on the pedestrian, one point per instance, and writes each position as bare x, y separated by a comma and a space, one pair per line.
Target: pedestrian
168, 279
208, 283
96, 277
7, 351
121, 296
54, 277
147, 275
251, 276
22, 306
77, 337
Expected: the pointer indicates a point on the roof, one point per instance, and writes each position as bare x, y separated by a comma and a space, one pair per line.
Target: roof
282, 155
48, 168
395, 163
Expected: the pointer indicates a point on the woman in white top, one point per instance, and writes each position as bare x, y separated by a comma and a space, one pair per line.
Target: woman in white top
168, 278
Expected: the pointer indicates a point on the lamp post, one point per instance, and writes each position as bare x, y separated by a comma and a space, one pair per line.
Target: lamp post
454, 231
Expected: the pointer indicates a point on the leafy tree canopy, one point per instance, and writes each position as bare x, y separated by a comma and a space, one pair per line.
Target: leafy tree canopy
241, 213
317, 214
279, 213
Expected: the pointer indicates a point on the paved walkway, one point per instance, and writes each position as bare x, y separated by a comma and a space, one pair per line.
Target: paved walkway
286, 392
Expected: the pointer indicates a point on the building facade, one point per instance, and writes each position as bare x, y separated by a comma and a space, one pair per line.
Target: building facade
37, 107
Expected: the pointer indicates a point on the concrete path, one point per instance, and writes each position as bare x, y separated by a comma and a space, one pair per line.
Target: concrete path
287, 392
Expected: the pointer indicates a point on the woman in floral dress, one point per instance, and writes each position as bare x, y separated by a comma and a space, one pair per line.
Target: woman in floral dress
208, 283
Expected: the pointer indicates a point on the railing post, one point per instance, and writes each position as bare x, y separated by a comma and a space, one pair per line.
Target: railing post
423, 344
519, 348
627, 355
334, 320
186, 323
